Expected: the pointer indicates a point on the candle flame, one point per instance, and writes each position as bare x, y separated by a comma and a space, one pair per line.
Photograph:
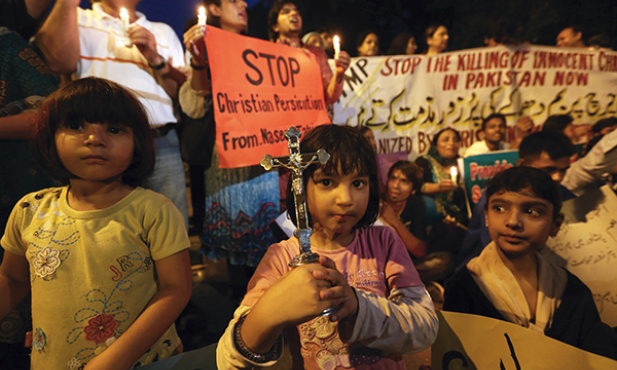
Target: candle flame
453, 173
336, 43
201, 16
124, 14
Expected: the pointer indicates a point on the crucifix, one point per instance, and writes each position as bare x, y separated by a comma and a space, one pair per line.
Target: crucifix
296, 162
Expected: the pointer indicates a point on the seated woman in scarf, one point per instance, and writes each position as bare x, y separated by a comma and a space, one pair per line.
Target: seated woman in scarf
446, 206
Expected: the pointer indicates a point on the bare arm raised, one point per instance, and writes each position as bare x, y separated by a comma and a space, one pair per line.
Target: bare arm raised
58, 38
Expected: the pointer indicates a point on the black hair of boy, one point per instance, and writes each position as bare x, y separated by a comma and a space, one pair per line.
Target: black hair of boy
350, 152
93, 100
520, 178
554, 143
557, 122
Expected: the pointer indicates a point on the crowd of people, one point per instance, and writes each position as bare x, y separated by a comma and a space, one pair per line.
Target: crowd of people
101, 110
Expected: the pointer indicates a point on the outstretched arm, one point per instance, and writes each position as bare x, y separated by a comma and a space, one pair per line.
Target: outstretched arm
195, 44
174, 291
58, 37
195, 93
584, 172
335, 87
403, 322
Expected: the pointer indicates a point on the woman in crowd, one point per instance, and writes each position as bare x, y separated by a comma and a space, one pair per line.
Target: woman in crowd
227, 201
367, 44
446, 207
436, 38
403, 44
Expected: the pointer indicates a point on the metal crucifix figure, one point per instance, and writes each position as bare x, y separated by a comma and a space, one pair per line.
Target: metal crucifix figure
296, 163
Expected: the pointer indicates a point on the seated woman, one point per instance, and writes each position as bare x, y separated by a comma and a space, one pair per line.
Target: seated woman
511, 281
446, 206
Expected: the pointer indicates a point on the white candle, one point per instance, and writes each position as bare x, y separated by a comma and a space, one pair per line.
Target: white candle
453, 173
336, 43
201, 18
124, 16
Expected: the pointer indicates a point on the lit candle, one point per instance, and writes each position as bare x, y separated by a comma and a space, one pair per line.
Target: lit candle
124, 15
201, 18
336, 43
453, 173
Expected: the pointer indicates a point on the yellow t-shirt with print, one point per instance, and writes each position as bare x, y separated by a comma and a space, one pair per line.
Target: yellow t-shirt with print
92, 272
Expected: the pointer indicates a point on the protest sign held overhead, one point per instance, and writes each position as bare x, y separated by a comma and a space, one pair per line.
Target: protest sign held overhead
259, 90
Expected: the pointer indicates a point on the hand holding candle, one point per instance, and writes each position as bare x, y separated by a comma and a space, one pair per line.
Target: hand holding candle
201, 18
336, 43
453, 173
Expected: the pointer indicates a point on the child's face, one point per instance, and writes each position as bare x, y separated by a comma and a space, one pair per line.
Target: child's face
337, 202
520, 222
95, 152
399, 186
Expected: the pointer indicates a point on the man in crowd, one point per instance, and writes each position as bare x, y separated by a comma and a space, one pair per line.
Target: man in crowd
142, 55
494, 130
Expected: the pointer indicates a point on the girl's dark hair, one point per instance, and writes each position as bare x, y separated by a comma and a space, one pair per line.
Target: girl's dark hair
412, 171
93, 100
350, 152
516, 179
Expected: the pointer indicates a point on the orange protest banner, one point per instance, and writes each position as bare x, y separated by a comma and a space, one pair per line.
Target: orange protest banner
259, 90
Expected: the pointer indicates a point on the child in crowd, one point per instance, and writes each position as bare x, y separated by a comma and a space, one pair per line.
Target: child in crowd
106, 260
383, 309
511, 281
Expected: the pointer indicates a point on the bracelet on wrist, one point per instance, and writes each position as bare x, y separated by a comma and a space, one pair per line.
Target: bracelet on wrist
259, 358
198, 67
159, 66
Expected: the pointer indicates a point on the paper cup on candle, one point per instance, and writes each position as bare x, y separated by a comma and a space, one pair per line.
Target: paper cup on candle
201, 18
453, 173
336, 43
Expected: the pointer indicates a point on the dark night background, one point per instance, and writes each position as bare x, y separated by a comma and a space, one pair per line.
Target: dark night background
537, 21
